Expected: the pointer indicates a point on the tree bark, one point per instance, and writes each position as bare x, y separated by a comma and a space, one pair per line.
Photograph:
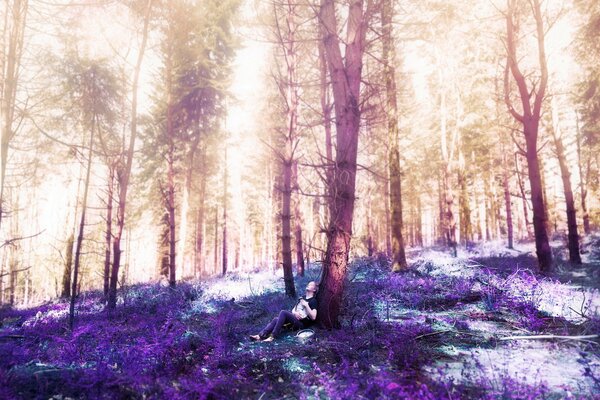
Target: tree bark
507, 200
298, 221
530, 119
224, 255
66, 279
346, 73
108, 235
124, 172
573, 235
86, 187
583, 181
466, 230
286, 236
398, 256
14, 27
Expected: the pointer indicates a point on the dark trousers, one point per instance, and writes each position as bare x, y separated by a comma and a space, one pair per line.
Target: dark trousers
274, 327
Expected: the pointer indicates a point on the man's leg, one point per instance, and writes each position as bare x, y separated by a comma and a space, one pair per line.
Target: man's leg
268, 329
285, 316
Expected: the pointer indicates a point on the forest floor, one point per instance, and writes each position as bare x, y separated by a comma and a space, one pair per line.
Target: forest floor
438, 331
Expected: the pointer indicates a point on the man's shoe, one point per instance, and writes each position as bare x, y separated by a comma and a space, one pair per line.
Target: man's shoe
255, 337
269, 339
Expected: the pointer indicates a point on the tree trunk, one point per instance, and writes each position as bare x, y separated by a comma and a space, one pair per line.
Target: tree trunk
225, 258
542, 244
286, 236
530, 120
298, 222
108, 236
86, 187
216, 242
398, 255
326, 108
14, 27
124, 174
345, 72
583, 181
199, 260
573, 235
466, 230
507, 200
523, 196
419, 230
66, 279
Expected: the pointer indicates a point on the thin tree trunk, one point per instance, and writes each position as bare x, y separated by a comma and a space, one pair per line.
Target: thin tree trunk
86, 187
216, 242
108, 236
507, 200
419, 230
398, 256
124, 174
298, 222
286, 237
466, 229
573, 235
583, 181
224, 266
66, 279
14, 26
523, 196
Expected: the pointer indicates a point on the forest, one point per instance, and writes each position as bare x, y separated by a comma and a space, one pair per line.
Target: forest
174, 173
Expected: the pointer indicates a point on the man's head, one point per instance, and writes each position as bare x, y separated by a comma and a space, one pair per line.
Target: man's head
312, 287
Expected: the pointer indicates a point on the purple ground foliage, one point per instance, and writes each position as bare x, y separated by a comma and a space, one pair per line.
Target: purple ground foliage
164, 343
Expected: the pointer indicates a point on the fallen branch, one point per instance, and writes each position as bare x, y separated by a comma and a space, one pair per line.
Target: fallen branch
541, 337
12, 337
433, 333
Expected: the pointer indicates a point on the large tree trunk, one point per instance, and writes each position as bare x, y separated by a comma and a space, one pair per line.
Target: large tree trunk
573, 235
345, 72
86, 187
530, 120
398, 255
542, 245
326, 107
124, 174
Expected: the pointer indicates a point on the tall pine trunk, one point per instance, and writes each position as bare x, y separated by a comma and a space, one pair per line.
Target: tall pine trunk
124, 174
345, 72
583, 181
108, 234
224, 248
80, 234
573, 235
507, 200
530, 119
389, 71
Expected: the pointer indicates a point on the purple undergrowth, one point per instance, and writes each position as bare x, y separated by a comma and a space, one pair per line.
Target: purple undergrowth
180, 344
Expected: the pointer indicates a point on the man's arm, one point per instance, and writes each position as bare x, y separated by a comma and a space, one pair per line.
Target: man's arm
312, 314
